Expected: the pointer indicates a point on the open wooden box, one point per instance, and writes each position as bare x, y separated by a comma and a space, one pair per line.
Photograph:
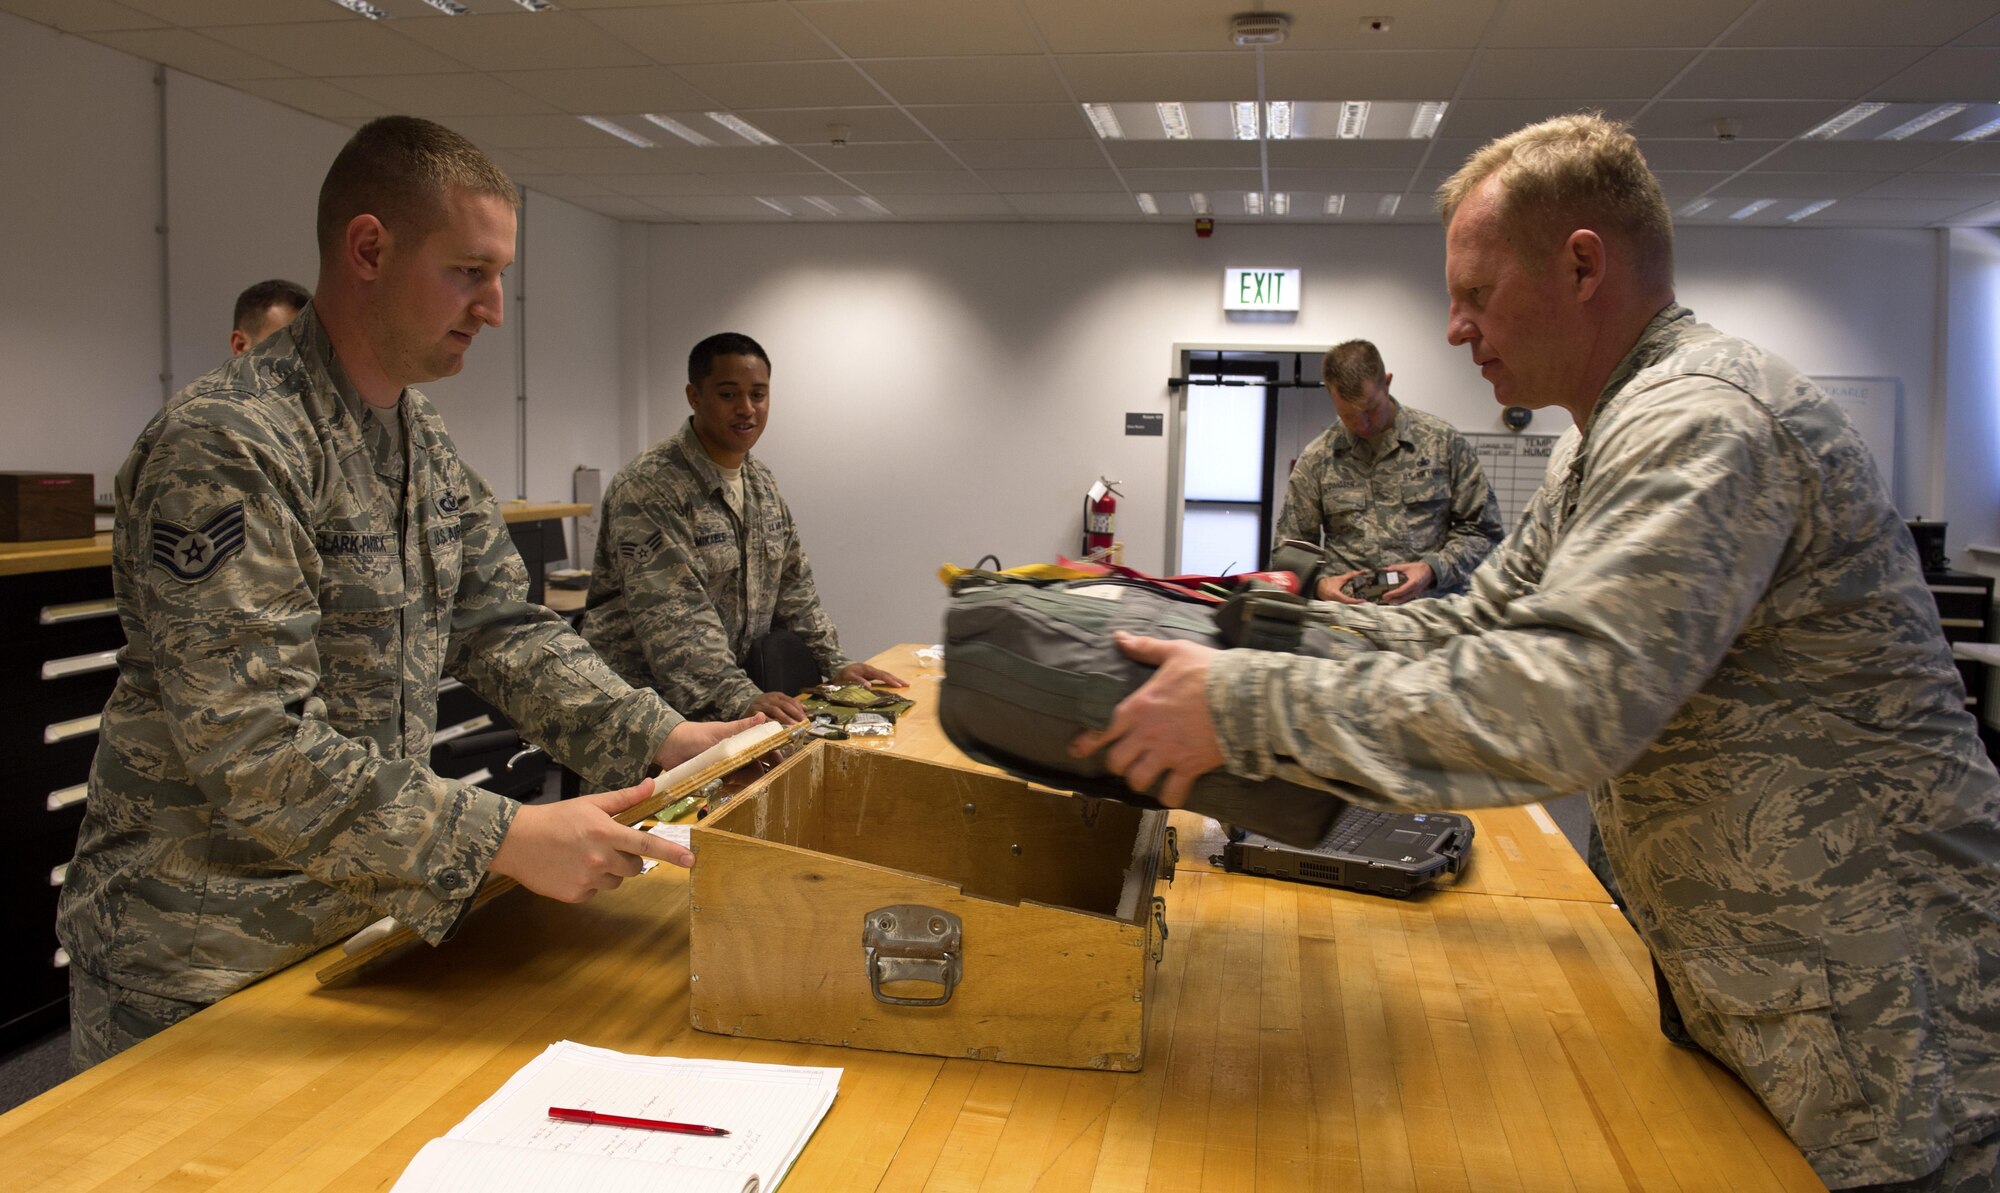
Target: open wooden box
858, 898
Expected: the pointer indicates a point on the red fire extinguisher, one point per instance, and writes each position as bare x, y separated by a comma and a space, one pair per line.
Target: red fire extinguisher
1100, 507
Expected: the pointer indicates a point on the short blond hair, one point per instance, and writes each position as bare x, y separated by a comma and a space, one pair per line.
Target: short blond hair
1571, 172
1346, 368
399, 170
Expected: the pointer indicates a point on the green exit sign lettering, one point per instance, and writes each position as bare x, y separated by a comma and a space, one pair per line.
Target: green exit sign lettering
1260, 289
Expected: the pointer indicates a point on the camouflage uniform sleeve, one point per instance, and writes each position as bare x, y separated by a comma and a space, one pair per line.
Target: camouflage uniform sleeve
688, 653
1550, 678
527, 661
1299, 519
238, 667
798, 608
1475, 527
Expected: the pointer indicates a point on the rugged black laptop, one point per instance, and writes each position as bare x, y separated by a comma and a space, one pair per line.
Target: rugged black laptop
1382, 853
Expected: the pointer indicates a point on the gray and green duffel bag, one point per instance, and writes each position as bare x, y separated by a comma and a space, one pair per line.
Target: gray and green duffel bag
1028, 666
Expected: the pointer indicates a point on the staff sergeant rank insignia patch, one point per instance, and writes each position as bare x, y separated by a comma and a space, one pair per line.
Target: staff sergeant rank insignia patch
193, 554
642, 552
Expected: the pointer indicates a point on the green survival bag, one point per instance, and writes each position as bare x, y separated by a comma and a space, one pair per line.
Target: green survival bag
1028, 666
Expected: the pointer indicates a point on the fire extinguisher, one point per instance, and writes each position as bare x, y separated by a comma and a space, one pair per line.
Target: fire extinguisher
1100, 507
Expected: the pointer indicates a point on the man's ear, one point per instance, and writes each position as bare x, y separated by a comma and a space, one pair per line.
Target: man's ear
366, 243
692, 394
1584, 262
238, 342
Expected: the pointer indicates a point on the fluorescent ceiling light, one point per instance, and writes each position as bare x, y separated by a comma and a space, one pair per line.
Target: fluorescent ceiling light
873, 206
617, 130
1253, 203
1199, 202
774, 205
1752, 209
450, 8
1697, 207
1841, 123
1245, 115
1910, 127
1353, 119
1981, 133
678, 129
1430, 114
1173, 120
743, 128
362, 8
1334, 203
1281, 203
1388, 204
536, 5
822, 204
1105, 121
1146, 203
1278, 119
1809, 209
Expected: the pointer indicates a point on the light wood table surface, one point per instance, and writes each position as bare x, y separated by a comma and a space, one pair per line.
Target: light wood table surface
1499, 1034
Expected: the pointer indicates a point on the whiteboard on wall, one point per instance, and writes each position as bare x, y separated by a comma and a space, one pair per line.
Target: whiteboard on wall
1871, 404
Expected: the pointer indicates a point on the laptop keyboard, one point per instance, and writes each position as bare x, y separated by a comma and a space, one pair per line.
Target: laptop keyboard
1350, 827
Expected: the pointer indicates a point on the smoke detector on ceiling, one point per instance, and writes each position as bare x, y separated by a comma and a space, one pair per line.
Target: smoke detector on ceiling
1258, 28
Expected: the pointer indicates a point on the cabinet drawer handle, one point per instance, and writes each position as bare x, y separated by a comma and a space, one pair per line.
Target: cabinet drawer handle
61, 959
63, 731
80, 611
1962, 589
472, 725
68, 797
81, 664
57, 875
1967, 623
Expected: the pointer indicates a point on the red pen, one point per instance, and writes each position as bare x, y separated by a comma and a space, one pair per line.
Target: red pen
618, 1120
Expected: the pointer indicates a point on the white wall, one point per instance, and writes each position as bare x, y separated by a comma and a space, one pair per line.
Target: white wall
1972, 398
968, 382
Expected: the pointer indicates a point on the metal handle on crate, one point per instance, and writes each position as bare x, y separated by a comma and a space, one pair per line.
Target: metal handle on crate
1172, 852
1160, 922
908, 942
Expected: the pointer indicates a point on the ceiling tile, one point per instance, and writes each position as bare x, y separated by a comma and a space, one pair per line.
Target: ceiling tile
733, 208
1149, 78
1846, 73
1337, 75
1074, 205
1012, 79
1766, 184
1348, 181
736, 159
1052, 181
534, 131
1547, 24
1193, 180
1955, 72
1192, 26
515, 162
195, 53
461, 94
1353, 155
1882, 156
1980, 158
929, 182
711, 33
947, 205
1756, 120
1184, 155
920, 28
1878, 213
1003, 122
1973, 188
81, 16
523, 41
339, 47
614, 158
747, 88
562, 186
619, 207
1562, 75
808, 126
909, 156
1703, 155
607, 89
644, 185
1817, 23
316, 96
1075, 154
1481, 120
815, 183
1680, 185
200, 13
1986, 33
1976, 217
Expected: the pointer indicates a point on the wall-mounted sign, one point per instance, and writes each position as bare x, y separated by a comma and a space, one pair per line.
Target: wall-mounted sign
1145, 424
1260, 289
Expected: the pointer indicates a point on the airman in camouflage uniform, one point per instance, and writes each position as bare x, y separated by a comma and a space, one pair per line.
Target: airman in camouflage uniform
1713, 619
297, 565
1410, 492
695, 562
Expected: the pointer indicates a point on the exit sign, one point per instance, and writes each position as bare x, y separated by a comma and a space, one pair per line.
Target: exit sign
1260, 289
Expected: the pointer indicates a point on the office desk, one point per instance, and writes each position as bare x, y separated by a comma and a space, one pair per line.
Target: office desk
1469, 1039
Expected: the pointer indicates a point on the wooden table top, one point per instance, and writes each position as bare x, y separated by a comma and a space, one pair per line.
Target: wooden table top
1501, 1034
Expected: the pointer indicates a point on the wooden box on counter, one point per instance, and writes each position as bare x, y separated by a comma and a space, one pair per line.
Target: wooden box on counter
862, 899
36, 506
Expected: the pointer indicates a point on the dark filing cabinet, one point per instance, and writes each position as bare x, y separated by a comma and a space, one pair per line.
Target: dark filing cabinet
1965, 609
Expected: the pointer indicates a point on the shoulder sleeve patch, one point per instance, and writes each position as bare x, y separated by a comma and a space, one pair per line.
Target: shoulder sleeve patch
191, 555
643, 550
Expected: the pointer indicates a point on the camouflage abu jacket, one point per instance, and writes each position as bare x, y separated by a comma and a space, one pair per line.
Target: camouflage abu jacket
683, 583
260, 787
1713, 618
1425, 498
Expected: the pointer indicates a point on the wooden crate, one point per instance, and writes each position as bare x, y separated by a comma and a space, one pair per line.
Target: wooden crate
1009, 923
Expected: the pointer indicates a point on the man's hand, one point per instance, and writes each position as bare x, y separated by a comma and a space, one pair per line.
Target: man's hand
1334, 588
1164, 727
864, 673
785, 710
1417, 580
574, 849
692, 737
